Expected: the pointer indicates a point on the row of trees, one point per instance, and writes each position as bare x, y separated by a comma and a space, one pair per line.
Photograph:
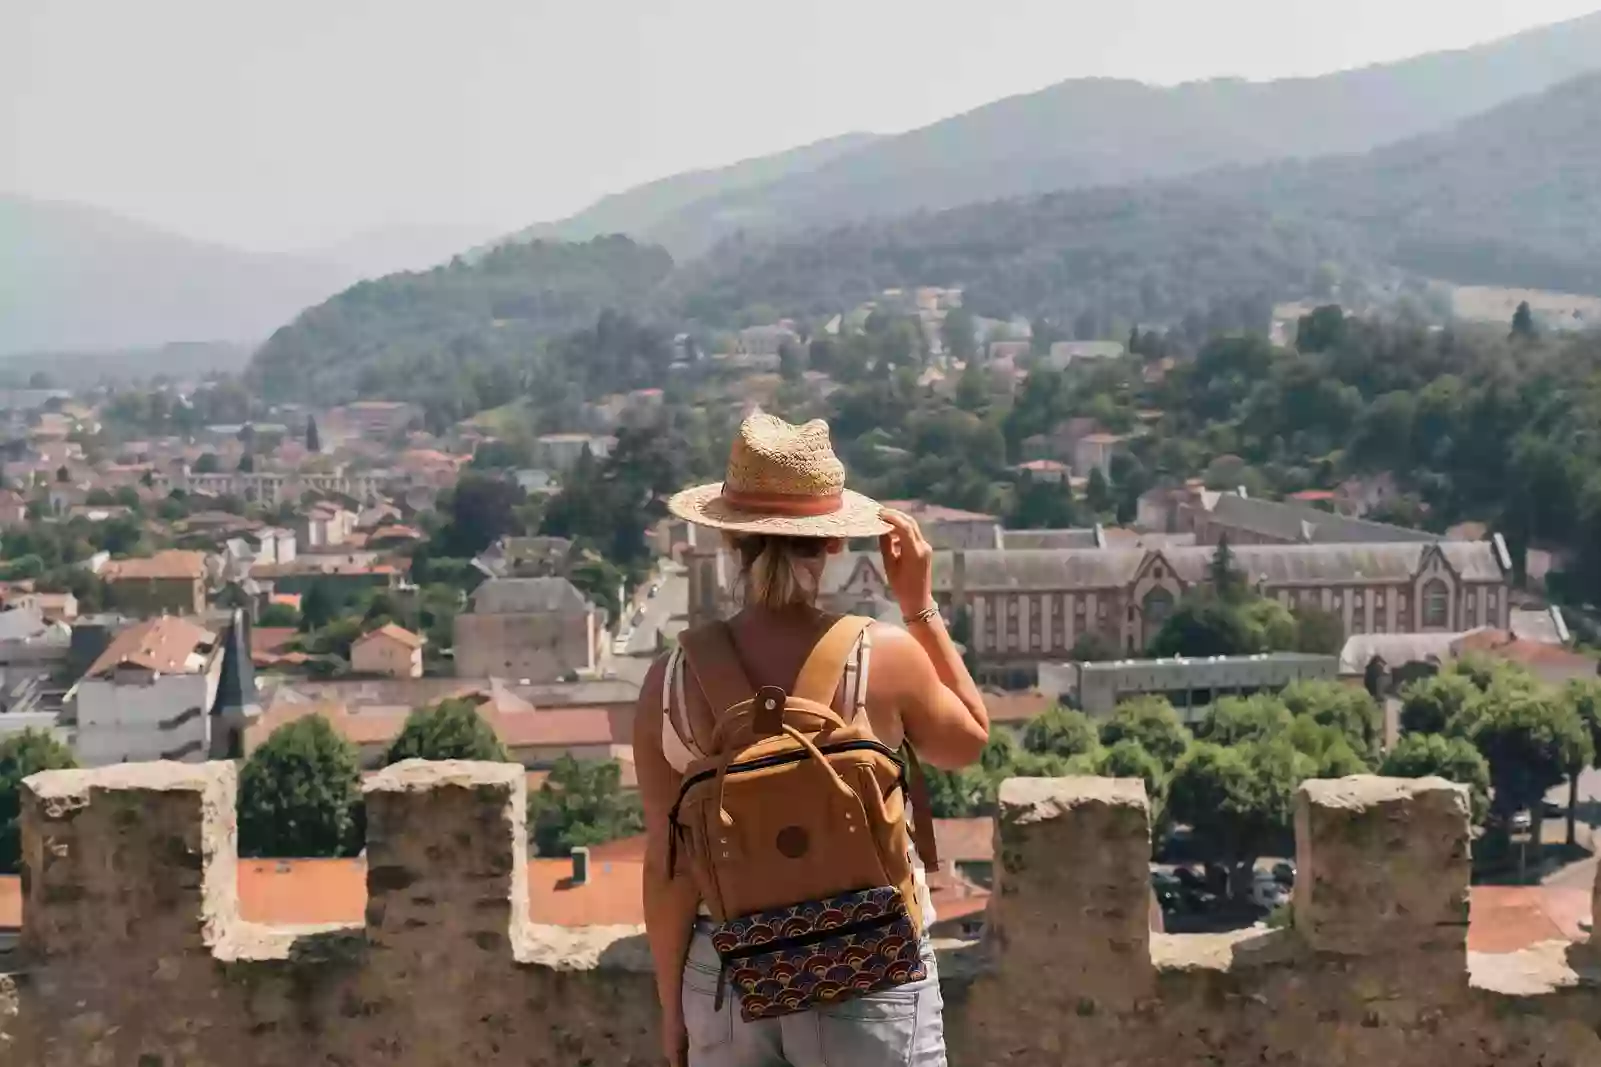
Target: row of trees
300, 791
1232, 780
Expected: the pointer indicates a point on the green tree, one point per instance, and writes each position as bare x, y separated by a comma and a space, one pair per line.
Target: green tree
961, 794
1351, 711
1098, 493
1583, 695
1438, 705
300, 793
1094, 647
1273, 628
1530, 738
1452, 758
1228, 583
247, 463
278, 615
318, 607
23, 754
1322, 330
1236, 720
1238, 800
1060, 731
208, 463
791, 362
582, 803
313, 437
451, 729
958, 334
1523, 323
1151, 723
1205, 625
1128, 759
1317, 631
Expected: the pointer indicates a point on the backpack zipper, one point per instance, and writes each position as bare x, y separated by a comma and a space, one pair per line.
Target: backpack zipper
776, 760
784, 944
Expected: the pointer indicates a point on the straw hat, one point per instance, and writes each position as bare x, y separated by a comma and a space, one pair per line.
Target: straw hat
782, 479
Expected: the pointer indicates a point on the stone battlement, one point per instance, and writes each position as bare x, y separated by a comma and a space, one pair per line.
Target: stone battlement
133, 953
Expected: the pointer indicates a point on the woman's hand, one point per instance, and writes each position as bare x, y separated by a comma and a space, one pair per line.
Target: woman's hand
675, 1042
908, 562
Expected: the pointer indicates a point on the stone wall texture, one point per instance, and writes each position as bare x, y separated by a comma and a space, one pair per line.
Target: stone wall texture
133, 953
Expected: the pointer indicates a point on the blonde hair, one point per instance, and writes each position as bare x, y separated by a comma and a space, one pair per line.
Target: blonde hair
780, 572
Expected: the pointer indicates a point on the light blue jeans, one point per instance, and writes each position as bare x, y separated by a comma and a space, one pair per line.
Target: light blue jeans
903, 1027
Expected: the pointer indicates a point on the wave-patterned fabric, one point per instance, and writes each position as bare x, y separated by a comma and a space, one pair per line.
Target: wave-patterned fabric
821, 952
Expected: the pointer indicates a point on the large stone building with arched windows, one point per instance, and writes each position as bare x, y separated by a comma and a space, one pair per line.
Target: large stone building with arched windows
1021, 607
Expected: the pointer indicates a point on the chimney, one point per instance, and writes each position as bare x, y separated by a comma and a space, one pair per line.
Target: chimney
580, 866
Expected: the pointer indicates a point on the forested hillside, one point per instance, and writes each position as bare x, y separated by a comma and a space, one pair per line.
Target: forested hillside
441, 332
1511, 197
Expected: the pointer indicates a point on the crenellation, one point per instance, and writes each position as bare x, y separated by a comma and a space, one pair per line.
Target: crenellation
134, 954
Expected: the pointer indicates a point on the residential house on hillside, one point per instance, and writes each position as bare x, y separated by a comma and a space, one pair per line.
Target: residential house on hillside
389, 650
1065, 353
170, 582
348, 573
149, 694
560, 451
539, 629
325, 525
525, 557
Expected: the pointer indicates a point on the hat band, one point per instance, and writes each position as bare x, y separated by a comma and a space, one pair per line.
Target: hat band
801, 505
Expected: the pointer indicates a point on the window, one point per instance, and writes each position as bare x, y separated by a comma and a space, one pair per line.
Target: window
1470, 610
1158, 606
1356, 602
1156, 572
1436, 604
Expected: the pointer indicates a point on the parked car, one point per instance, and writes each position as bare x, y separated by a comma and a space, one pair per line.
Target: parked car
1550, 809
1284, 874
1266, 892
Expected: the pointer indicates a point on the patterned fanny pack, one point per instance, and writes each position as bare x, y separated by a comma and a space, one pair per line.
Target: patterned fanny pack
819, 952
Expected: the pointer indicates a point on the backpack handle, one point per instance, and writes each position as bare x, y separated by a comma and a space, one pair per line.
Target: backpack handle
728, 725
817, 757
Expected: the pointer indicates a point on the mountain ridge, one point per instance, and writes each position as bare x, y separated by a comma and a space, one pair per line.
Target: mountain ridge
1112, 131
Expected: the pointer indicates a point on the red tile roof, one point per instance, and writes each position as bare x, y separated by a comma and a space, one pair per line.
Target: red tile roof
394, 633
173, 564
1502, 644
162, 645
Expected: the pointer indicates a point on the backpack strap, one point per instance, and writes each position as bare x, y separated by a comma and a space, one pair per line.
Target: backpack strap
714, 661
819, 676
922, 813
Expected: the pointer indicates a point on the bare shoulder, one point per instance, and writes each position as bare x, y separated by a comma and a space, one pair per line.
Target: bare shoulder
894, 648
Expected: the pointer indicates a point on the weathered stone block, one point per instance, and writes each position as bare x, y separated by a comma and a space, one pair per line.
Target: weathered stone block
1384, 866
1074, 883
447, 857
136, 858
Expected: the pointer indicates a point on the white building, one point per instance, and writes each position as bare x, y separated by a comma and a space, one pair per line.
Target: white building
149, 695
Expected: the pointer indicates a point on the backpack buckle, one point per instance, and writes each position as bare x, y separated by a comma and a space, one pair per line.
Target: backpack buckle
768, 718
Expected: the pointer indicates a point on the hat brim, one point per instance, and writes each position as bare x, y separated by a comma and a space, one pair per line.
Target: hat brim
703, 505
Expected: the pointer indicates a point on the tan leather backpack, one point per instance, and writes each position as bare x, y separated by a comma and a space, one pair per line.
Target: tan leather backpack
796, 804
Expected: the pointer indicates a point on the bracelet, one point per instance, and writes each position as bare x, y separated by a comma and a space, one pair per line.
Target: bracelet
928, 614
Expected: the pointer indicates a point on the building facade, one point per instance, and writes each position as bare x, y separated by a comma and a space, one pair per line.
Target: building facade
149, 695
538, 629
389, 651
171, 582
1021, 607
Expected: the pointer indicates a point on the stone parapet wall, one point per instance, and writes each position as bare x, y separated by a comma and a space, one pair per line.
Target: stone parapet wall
133, 952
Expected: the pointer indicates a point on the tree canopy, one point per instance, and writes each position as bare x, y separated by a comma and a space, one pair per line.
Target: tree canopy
300, 793
451, 729
582, 803
22, 754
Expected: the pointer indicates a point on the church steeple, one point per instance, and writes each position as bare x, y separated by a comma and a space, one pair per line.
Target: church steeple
236, 704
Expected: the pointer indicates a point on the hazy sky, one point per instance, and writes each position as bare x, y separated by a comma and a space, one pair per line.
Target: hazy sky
288, 123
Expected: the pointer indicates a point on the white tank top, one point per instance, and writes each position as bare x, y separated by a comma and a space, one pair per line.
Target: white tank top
678, 740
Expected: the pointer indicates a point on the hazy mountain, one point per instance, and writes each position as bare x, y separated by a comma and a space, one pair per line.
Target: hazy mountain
1092, 132
639, 211
1510, 197
79, 278
374, 253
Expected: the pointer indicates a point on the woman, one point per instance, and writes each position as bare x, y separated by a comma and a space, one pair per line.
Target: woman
783, 509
